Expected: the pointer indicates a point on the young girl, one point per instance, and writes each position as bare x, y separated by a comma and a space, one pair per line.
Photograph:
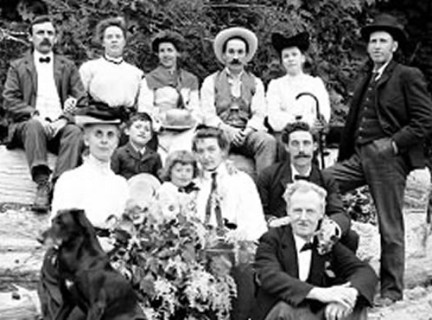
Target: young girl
178, 192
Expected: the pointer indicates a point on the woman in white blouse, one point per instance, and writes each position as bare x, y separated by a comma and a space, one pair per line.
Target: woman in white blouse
109, 79
296, 96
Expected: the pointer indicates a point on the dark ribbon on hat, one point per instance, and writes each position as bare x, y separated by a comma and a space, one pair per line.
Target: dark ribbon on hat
103, 111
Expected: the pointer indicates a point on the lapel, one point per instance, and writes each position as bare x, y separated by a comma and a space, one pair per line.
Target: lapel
288, 252
31, 70
315, 175
147, 154
290, 261
386, 74
132, 152
285, 174
317, 267
58, 72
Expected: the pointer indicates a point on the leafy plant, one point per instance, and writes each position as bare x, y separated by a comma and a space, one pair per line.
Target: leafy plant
180, 268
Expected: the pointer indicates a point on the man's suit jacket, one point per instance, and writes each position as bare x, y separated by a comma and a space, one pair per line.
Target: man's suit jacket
127, 162
278, 276
404, 111
20, 89
272, 183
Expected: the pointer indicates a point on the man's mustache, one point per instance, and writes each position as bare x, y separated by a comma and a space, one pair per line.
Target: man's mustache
46, 42
302, 155
235, 61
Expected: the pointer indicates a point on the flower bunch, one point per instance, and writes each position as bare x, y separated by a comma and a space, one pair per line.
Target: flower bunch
171, 263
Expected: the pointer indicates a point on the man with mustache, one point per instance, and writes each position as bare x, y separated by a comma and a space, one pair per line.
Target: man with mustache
390, 115
233, 99
300, 144
298, 281
40, 94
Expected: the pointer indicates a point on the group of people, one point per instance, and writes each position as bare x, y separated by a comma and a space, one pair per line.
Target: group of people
182, 135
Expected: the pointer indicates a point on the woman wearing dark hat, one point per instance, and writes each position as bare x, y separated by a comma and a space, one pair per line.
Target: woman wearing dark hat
110, 79
170, 95
93, 186
292, 97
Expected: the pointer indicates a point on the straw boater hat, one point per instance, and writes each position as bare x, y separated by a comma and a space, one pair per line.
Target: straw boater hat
388, 23
97, 113
235, 32
168, 36
288, 40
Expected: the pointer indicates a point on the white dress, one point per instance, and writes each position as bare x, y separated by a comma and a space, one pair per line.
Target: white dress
283, 107
93, 187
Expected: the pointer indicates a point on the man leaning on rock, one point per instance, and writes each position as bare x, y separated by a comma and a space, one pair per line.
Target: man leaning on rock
40, 94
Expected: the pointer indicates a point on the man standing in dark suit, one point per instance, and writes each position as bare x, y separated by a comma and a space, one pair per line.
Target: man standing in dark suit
40, 93
296, 280
390, 115
300, 145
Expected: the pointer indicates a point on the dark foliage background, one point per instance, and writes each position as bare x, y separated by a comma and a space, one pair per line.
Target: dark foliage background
336, 54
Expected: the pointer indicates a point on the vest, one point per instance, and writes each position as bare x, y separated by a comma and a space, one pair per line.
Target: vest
368, 125
234, 111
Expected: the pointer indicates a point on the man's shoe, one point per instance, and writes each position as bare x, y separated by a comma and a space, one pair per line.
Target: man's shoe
42, 200
382, 302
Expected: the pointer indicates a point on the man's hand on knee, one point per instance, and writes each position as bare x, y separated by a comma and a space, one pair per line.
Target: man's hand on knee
336, 311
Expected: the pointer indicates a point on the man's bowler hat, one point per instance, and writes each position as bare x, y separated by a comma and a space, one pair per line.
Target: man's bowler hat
388, 23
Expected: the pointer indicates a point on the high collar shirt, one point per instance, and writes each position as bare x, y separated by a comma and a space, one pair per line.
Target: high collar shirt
47, 99
304, 258
283, 107
93, 187
208, 105
116, 84
239, 202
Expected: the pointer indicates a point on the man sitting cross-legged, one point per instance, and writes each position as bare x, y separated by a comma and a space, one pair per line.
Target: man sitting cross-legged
300, 144
296, 280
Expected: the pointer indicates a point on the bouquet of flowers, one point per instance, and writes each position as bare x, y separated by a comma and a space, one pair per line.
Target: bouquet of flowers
176, 264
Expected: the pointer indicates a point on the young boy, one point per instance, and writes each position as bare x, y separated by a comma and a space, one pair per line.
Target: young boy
136, 157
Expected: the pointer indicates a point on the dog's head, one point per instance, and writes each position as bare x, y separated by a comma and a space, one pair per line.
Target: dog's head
67, 226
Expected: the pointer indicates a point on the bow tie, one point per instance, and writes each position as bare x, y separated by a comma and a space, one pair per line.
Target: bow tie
307, 246
300, 177
191, 187
45, 60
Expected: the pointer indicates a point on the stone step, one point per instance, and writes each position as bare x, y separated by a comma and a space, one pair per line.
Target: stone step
16, 184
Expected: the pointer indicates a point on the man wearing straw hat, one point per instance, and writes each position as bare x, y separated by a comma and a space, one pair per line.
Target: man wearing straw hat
233, 98
389, 118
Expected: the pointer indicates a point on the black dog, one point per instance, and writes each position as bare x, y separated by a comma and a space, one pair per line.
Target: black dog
84, 274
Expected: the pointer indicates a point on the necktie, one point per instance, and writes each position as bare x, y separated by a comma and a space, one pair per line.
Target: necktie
300, 177
307, 246
213, 205
45, 60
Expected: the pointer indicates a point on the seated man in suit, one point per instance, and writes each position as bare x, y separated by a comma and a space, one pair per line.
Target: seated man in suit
300, 144
296, 280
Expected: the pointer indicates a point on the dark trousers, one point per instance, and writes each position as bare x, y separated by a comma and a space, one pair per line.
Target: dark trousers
385, 174
283, 311
67, 144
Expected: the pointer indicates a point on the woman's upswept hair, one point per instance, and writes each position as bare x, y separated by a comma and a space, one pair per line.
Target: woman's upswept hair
104, 24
